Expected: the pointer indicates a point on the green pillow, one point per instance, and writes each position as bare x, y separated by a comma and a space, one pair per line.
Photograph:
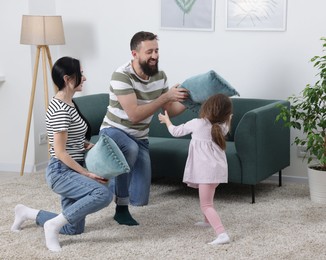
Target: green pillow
202, 86
106, 159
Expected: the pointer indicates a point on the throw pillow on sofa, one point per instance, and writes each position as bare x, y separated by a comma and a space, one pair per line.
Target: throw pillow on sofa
202, 86
105, 159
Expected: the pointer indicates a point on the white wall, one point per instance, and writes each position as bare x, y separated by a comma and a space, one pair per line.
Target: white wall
15, 65
257, 64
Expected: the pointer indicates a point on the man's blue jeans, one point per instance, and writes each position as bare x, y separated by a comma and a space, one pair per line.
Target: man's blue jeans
133, 187
80, 196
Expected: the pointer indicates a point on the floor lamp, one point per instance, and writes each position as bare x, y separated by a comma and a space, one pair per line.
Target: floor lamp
40, 31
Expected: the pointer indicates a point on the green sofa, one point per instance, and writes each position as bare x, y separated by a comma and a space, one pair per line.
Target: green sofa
257, 146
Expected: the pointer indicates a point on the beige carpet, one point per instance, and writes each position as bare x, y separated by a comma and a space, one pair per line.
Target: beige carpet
283, 224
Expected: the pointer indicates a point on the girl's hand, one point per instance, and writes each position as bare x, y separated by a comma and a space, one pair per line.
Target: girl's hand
163, 118
97, 178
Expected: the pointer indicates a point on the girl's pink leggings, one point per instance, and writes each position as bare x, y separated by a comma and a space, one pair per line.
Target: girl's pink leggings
206, 197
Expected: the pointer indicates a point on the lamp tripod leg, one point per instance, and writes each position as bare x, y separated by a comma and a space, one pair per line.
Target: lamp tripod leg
45, 78
50, 65
31, 103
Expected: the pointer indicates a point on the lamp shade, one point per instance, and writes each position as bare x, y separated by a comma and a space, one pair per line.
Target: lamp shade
42, 30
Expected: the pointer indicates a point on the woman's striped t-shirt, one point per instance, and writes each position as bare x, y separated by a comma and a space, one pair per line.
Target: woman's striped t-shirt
125, 81
63, 117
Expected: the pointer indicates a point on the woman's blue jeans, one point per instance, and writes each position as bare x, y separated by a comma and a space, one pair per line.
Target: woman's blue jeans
133, 187
80, 196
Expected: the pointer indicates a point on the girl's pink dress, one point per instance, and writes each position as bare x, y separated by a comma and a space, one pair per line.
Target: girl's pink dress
206, 162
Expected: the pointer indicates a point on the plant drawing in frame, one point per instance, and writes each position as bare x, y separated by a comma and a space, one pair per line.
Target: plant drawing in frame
188, 14
256, 15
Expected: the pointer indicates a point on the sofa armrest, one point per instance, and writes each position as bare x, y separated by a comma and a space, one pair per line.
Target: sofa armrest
262, 144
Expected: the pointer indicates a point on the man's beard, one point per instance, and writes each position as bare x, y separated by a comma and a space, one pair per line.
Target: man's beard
149, 70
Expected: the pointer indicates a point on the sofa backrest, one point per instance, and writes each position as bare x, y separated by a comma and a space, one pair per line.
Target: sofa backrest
240, 107
93, 107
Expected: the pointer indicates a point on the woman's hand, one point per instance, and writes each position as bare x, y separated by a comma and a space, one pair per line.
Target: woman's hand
97, 178
88, 145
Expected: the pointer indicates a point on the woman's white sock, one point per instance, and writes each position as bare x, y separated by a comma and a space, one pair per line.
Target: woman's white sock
51, 231
23, 213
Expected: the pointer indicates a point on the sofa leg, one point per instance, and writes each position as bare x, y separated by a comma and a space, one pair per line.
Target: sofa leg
280, 178
252, 194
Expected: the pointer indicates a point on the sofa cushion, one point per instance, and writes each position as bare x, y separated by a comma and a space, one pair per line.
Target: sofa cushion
105, 158
173, 152
202, 86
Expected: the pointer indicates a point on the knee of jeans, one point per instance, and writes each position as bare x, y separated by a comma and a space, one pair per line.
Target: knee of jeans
133, 148
132, 154
104, 196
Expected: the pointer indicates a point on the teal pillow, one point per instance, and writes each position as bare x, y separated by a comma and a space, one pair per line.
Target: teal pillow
202, 86
106, 159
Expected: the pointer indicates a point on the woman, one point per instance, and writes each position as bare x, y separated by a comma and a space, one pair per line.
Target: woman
82, 192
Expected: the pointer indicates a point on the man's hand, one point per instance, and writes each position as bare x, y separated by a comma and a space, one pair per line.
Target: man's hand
176, 94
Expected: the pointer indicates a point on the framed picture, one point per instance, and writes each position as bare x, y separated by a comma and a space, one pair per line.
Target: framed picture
256, 15
188, 15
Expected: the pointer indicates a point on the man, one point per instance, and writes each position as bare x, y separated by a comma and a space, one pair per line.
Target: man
137, 90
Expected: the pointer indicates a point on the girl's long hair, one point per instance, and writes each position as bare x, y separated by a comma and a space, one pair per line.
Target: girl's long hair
217, 109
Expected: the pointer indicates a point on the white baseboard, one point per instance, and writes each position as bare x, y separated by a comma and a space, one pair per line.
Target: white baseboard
41, 166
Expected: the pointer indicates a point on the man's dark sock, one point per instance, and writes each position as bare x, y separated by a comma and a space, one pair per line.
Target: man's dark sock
123, 216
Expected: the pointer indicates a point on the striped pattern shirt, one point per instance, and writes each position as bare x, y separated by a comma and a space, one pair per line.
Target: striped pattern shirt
125, 81
63, 117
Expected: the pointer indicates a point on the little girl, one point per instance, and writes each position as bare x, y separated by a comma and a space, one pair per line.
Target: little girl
206, 165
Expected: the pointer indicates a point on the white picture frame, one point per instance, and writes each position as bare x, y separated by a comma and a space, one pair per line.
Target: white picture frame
256, 15
197, 15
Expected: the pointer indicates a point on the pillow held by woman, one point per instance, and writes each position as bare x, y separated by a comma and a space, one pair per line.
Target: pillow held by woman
105, 159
